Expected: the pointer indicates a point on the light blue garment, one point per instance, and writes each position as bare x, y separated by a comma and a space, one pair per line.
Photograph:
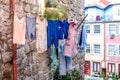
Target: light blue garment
65, 62
62, 62
82, 39
54, 60
30, 27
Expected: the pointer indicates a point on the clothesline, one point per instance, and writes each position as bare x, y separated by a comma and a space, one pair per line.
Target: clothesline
82, 21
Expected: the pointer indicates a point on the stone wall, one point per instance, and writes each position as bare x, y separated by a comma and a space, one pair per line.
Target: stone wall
30, 64
75, 8
5, 40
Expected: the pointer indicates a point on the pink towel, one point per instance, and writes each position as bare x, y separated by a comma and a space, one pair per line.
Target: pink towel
19, 30
70, 44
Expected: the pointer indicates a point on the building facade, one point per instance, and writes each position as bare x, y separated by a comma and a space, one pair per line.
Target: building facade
103, 45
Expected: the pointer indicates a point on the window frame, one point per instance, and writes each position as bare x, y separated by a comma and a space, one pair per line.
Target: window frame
110, 53
118, 11
116, 51
97, 64
88, 49
110, 65
97, 50
114, 29
119, 50
86, 27
99, 30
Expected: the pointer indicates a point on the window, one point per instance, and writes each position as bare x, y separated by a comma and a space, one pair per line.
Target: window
119, 49
113, 29
111, 67
97, 48
97, 29
119, 12
96, 66
87, 27
111, 49
88, 48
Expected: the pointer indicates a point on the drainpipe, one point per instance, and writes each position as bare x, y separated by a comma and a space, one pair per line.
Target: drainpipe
104, 44
14, 45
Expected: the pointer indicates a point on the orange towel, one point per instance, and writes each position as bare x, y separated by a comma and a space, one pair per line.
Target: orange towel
19, 30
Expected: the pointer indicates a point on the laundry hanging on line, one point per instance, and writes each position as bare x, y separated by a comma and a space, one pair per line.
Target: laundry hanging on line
41, 35
30, 27
65, 62
19, 29
70, 43
82, 41
56, 30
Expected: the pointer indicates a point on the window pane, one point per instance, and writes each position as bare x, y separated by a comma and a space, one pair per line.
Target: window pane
96, 48
109, 66
94, 64
111, 49
113, 68
98, 67
87, 28
88, 48
119, 49
112, 28
96, 28
119, 12
117, 28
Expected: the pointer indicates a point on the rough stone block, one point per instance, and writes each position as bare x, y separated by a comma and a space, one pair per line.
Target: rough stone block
27, 8
6, 57
7, 2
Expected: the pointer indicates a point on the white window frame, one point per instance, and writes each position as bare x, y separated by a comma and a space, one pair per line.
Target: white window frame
118, 11
88, 48
116, 51
119, 50
94, 28
111, 52
86, 27
99, 49
115, 28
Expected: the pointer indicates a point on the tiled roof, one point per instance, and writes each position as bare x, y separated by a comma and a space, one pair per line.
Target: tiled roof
101, 4
104, 2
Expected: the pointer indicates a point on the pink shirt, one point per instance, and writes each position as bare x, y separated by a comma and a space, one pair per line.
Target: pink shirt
19, 30
70, 44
